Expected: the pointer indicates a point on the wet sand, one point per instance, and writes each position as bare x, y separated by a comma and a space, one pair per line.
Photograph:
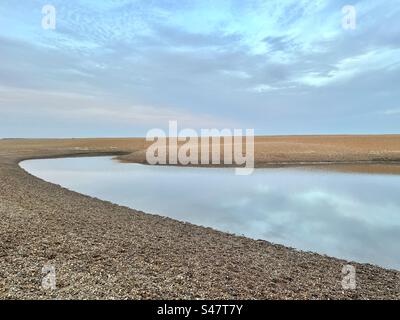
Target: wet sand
104, 251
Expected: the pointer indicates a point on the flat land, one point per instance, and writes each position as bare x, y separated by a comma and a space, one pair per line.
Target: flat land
379, 154
104, 251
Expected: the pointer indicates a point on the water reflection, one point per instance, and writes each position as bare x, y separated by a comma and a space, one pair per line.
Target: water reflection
352, 216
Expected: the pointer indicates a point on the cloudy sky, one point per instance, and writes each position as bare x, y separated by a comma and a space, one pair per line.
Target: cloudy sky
120, 68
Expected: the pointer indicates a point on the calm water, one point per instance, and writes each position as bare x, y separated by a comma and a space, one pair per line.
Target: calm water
351, 216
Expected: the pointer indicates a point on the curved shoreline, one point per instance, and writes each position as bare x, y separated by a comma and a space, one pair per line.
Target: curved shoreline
102, 250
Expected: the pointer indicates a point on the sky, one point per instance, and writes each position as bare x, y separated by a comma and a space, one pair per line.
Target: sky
121, 68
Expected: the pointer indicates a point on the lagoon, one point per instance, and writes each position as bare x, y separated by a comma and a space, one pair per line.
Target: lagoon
345, 215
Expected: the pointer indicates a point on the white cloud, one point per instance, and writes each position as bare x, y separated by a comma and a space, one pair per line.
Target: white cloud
391, 112
66, 105
346, 69
263, 88
236, 74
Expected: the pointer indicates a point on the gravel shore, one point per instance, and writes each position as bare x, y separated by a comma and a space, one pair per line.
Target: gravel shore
104, 251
